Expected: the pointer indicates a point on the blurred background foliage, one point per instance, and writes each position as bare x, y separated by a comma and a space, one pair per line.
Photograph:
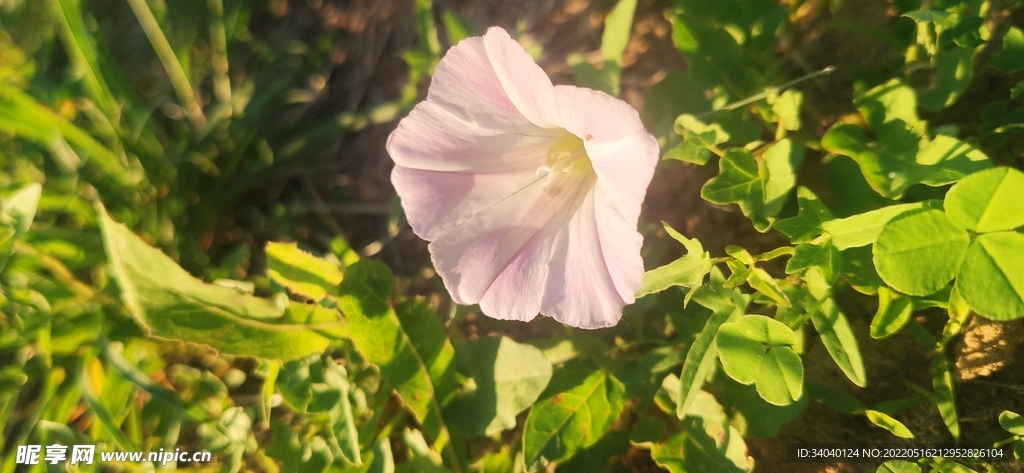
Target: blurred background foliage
209, 128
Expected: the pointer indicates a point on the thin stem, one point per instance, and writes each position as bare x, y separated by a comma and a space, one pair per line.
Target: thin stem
768, 91
219, 46
1005, 442
179, 81
782, 251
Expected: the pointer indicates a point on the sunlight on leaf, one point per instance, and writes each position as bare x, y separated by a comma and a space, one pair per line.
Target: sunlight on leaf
919, 252
171, 304
577, 408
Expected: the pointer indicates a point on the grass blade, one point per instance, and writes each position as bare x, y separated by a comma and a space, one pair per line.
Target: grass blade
179, 80
82, 50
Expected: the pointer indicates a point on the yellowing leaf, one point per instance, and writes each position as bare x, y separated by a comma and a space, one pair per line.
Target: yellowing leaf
169, 303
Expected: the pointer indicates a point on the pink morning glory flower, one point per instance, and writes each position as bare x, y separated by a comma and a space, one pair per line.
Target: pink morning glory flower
529, 193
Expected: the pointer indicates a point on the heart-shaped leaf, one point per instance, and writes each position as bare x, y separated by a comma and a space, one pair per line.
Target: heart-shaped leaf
755, 350
992, 276
988, 201
919, 252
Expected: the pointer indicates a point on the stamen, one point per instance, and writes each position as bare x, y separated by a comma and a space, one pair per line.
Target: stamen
548, 178
564, 158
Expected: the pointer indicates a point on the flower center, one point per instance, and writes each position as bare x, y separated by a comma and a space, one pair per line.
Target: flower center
565, 156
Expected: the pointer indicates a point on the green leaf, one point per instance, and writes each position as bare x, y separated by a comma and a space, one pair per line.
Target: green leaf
740, 180
809, 221
496, 461
1017, 90
407, 342
782, 160
928, 16
716, 296
423, 459
953, 73
301, 272
1012, 422
596, 457
509, 377
16, 215
919, 252
322, 317
894, 311
959, 311
701, 356
268, 370
293, 381
19, 209
705, 442
992, 276
898, 160
824, 256
787, 107
887, 422
951, 467
457, 26
1018, 450
169, 303
759, 186
988, 201
863, 229
683, 37
764, 283
383, 457
22, 116
898, 466
616, 34
945, 160
781, 382
942, 383
889, 102
687, 271
741, 254
776, 371
839, 401
741, 344
712, 134
344, 432
966, 32
761, 418
585, 74
739, 273
100, 411
859, 271
647, 430
834, 330
688, 152
695, 147
578, 407
617, 26
1010, 58
676, 91
81, 48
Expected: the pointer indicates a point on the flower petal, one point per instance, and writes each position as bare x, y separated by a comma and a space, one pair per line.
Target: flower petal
584, 112
518, 243
514, 235
524, 82
466, 85
580, 290
624, 156
433, 138
435, 202
517, 291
